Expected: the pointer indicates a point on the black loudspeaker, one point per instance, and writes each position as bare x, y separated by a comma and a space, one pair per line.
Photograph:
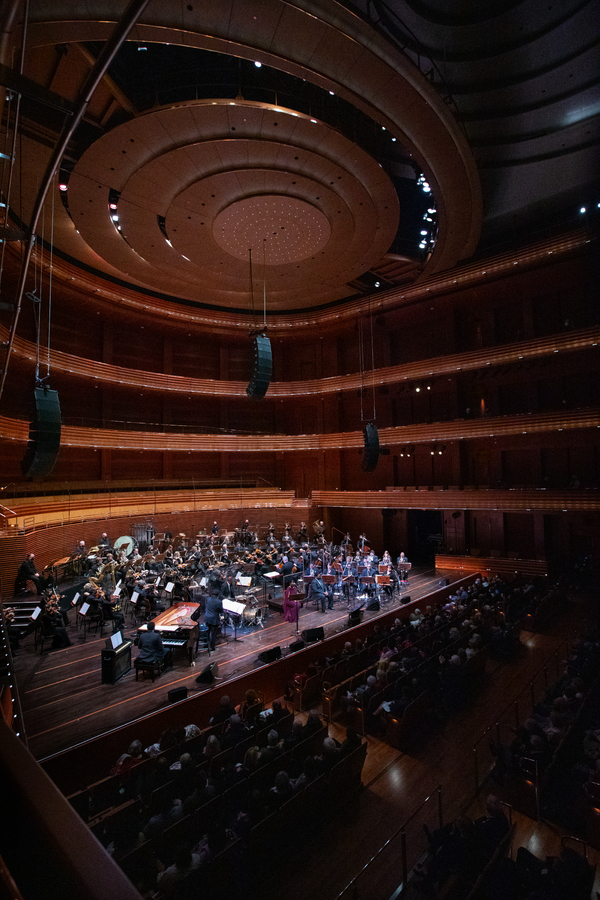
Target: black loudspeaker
297, 645
373, 605
44, 435
177, 694
313, 634
444, 582
270, 655
208, 674
355, 618
371, 451
405, 599
263, 367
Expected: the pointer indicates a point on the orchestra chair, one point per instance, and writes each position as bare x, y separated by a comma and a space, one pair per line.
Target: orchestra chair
142, 665
43, 634
92, 617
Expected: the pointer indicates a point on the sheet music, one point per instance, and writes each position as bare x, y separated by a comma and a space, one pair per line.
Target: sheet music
233, 606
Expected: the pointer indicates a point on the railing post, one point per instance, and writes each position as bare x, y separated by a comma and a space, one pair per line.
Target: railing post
537, 792
440, 815
404, 858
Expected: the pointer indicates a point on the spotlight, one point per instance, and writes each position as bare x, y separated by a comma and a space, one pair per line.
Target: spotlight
257, 64
62, 187
583, 209
142, 47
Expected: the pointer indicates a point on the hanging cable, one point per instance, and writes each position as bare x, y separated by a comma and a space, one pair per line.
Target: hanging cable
361, 367
251, 289
372, 362
265, 282
50, 283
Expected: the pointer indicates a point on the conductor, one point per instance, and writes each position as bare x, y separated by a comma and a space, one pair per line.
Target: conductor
214, 609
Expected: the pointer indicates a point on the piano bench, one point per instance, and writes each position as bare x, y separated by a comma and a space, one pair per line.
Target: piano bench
141, 665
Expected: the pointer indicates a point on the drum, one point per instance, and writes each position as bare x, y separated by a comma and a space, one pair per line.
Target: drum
124, 544
250, 616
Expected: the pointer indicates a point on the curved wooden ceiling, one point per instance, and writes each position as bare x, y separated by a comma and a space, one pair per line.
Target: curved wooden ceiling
225, 178
168, 162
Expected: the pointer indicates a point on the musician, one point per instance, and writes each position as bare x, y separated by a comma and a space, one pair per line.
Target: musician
80, 557
104, 543
214, 609
215, 529
319, 531
386, 559
111, 614
151, 647
318, 592
106, 576
363, 543
291, 606
52, 625
346, 543
286, 567
228, 589
27, 572
402, 566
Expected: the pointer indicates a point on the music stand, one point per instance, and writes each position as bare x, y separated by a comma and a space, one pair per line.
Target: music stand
349, 581
236, 609
382, 581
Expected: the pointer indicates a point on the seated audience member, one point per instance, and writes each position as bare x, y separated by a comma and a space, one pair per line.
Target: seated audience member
202, 793
164, 812
281, 791
212, 747
128, 760
185, 862
169, 739
331, 754
313, 724
310, 772
490, 828
273, 749
249, 709
225, 711
235, 732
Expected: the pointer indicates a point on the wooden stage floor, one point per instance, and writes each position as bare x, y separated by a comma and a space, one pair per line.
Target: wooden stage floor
64, 701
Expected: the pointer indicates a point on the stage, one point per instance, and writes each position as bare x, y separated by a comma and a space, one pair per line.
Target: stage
64, 701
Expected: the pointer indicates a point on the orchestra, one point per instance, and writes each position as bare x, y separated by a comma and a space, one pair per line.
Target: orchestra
227, 566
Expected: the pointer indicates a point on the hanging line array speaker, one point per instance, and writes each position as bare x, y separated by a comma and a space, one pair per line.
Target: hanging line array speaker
371, 451
263, 367
44, 435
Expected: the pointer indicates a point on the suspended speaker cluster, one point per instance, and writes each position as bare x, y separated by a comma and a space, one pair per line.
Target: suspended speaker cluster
371, 451
263, 367
44, 435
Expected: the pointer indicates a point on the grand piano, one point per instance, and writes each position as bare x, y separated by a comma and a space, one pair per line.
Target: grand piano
177, 628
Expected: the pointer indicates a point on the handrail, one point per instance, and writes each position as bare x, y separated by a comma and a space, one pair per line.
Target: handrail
454, 430
468, 360
399, 832
515, 702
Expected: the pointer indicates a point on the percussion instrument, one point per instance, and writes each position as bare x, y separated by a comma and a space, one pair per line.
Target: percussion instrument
124, 544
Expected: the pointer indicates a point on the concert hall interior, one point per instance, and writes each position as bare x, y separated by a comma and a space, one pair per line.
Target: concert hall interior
285, 286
